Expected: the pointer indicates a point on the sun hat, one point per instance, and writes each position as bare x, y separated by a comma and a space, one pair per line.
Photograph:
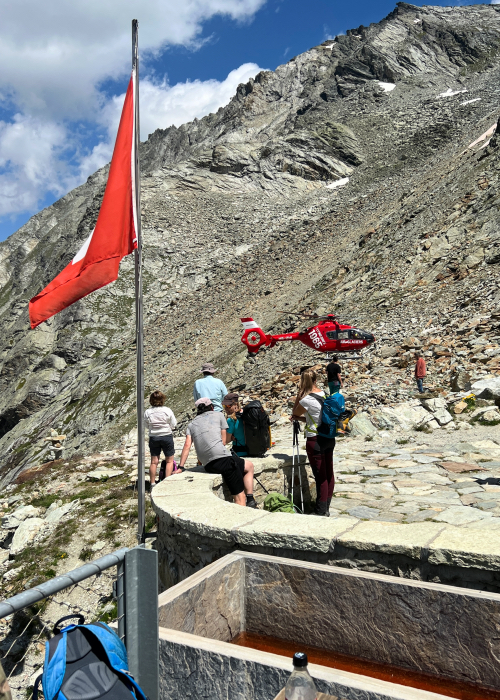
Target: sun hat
208, 367
229, 399
204, 401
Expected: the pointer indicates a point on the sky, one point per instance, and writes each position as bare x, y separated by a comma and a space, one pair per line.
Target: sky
66, 65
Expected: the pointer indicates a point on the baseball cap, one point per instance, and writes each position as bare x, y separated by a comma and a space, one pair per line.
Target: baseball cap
229, 399
204, 401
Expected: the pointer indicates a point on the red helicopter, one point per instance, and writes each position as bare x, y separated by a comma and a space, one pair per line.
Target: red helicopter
328, 335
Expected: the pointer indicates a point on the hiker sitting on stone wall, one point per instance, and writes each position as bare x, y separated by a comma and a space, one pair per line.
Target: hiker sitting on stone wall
208, 433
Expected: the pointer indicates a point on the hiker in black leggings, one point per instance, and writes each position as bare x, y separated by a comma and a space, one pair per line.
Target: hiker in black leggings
319, 450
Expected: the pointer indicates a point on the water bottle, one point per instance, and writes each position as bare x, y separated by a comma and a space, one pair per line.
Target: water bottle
300, 685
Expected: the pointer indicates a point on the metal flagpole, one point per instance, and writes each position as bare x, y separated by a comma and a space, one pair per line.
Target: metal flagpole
139, 335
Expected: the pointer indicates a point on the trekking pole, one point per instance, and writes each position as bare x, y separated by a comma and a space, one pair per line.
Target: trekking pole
296, 431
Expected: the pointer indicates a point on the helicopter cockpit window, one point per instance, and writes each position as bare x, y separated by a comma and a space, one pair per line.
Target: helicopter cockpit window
356, 334
331, 335
343, 335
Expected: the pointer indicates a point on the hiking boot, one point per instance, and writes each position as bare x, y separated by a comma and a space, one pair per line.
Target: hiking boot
328, 506
321, 509
251, 502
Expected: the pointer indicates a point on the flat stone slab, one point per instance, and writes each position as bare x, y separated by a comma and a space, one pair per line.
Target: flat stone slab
99, 474
459, 467
460, 516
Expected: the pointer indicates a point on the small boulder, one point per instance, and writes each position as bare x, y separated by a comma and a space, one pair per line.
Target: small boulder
361, 425
56, 514
26, 533
459, 407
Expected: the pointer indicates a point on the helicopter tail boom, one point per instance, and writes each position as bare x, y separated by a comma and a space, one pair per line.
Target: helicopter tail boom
253, 336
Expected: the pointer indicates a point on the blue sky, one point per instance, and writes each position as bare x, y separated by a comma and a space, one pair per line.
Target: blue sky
66, 67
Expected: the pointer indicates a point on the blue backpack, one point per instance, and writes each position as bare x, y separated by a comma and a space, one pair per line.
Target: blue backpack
331, 409
86, 661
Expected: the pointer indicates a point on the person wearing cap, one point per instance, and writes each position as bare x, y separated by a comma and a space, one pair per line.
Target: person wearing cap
210, 387
236, 431
208, 433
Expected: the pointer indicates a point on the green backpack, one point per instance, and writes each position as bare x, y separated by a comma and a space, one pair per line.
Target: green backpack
277, 503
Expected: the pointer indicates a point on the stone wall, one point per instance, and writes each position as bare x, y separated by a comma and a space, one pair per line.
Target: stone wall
195, 528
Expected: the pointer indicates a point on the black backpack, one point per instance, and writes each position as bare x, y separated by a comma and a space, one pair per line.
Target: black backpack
256, 426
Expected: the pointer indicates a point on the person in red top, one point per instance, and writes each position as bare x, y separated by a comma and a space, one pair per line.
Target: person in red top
420, 371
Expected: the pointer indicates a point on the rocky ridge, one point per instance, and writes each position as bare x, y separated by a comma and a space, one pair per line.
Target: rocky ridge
249, 212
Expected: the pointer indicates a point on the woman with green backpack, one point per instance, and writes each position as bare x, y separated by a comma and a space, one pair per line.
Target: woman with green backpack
307, 407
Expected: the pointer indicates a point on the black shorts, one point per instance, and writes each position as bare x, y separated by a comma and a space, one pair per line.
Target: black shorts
231, 469
157, 443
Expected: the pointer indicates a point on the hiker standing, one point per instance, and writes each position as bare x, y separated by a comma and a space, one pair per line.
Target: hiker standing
210, 387
333, 371
160, 421
235, 427
208, 433
420, 371
308, 405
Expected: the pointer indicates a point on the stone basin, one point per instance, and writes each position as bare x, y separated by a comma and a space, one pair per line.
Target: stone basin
447, 632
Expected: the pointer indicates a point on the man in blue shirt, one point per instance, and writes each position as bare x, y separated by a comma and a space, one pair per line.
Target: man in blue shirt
210, 387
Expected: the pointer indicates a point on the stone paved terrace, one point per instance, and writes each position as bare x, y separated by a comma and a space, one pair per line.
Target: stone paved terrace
444, 477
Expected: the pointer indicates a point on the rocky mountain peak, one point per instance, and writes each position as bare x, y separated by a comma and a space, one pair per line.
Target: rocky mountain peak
342, 180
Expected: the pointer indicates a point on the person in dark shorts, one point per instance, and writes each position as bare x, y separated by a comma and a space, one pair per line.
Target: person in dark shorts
208, 433
161, 422
333, 371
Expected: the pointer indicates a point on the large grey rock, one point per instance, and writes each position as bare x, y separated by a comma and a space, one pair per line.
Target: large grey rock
362, 425
487, 388
26, 533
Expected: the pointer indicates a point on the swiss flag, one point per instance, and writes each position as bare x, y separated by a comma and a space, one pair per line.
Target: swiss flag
114, 236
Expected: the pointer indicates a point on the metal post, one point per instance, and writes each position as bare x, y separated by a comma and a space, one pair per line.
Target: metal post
138, 295
141, 618
120, 599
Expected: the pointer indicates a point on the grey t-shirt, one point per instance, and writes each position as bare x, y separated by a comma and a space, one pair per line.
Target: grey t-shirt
205, 432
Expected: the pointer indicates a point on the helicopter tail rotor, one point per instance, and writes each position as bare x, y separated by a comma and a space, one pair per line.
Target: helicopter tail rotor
253, 336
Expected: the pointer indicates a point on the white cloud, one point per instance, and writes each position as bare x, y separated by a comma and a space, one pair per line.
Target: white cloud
30, 163
495, 2
56, 54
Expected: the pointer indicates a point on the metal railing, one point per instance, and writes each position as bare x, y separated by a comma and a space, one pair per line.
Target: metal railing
127, 597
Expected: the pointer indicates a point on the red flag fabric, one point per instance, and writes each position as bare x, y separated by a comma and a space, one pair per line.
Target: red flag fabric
114, 236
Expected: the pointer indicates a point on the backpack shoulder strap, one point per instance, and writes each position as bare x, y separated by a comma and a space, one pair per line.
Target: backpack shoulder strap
318, 398
54, 666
